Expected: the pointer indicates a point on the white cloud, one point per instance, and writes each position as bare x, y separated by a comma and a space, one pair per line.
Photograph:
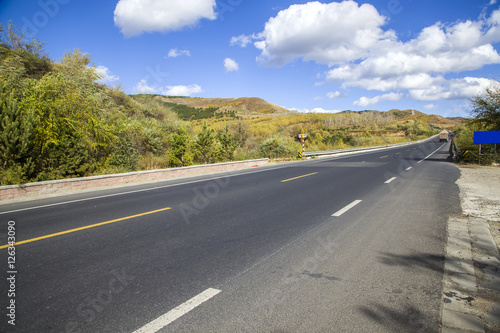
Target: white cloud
174, 53
143, 88
335, 95
230, 65
135, 17
316, 110
105, 74
351, 39
452, 89
331, 33
365, 101
242, 40
181, 90
419, 65
430, 106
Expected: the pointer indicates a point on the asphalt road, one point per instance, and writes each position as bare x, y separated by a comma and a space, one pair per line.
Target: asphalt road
345, 244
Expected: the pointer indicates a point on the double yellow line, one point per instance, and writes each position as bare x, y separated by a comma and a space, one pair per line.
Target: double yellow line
85, 227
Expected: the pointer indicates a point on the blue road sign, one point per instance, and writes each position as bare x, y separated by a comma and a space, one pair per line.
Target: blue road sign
486, 137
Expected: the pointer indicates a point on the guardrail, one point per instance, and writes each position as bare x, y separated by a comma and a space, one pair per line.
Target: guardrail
339, 151
352, 150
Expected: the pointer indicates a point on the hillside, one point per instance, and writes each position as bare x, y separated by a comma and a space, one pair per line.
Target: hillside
457, 119
431, 119
262, 129
404, 115
243, 106
195, 109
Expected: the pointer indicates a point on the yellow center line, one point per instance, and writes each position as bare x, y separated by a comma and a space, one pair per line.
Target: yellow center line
287, 180
85, 227
384, 156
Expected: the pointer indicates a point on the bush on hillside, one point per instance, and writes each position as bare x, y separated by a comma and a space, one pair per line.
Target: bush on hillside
279, 146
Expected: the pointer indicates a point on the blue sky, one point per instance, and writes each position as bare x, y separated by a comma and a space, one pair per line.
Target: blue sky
311, 56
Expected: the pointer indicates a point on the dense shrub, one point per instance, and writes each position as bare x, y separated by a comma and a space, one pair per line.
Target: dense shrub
279, 146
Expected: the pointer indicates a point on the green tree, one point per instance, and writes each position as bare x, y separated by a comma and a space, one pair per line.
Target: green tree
179, 155
76, 66
123, 156
16, 131
241, 132
205, 144
486, 112
486, 108
13, 73
30, 51
228, 144
66, 112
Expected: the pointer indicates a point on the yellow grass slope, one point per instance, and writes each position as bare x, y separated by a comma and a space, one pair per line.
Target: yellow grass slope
243, 106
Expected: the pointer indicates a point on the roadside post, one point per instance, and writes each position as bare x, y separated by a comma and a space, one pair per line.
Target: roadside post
486, 137
303, 138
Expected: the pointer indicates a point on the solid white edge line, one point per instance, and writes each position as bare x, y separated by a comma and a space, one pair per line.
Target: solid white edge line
346, 208
409, 168
431, 153
390, 180
178, 312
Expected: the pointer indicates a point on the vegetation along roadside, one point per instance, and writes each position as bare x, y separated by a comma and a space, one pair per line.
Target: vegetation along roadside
58, 121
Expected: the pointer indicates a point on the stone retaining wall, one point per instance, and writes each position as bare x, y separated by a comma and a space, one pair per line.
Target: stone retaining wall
75, 184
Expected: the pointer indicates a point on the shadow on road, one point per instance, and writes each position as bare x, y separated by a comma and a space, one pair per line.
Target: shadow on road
407, 319
422, 260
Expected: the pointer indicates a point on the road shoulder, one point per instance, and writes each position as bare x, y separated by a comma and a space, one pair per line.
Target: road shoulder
471, 287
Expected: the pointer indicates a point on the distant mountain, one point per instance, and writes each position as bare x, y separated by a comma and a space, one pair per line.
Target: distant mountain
457, 119
241, 105
410, 114
195, 108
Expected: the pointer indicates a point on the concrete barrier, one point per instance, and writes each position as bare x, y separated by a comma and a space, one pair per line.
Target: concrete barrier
83, 183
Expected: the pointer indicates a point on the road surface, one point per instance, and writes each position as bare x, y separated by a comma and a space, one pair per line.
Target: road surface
352, 243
